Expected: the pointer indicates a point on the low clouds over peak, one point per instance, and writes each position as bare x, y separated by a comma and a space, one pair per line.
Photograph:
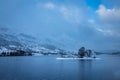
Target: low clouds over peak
78, 23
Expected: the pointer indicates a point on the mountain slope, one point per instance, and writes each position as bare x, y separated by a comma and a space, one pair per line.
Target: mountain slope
11, 40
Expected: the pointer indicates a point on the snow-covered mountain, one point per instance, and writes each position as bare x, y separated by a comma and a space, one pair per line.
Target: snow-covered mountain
10, 40
7, 39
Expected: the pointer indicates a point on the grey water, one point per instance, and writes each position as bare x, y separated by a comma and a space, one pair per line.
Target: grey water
49, 68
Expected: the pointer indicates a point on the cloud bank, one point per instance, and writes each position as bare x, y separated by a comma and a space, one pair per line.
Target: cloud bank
66, 24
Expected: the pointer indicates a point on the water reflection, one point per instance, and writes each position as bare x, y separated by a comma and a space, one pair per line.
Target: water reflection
85, 69
48, 68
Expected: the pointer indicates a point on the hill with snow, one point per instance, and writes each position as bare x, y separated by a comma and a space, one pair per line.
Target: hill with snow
11, 41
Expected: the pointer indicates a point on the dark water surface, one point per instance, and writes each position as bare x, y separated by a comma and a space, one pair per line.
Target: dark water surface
49, 68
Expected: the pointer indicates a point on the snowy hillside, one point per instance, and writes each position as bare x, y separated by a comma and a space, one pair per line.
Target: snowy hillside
10, 42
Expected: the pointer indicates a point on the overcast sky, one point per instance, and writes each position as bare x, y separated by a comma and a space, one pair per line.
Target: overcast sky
69, 24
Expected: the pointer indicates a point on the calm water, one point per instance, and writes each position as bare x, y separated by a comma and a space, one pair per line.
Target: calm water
48, 68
